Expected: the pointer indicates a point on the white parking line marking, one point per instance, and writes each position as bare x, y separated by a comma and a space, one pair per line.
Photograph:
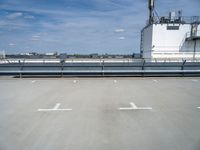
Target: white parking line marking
74, 81
198, 107
195, 80
55, 108
134, 107
115, 81
33, 81
155, 81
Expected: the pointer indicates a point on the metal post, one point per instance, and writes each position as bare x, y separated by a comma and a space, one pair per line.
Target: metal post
103, 68
182, 67
21, 68
195, 43
151, 8
62, 67
143, 68
143, 64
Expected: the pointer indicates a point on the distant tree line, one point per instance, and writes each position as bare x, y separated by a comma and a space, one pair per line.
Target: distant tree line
55, 55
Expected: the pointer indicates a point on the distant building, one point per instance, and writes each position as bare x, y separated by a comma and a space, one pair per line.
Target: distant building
63, 56
95, 55
172, 37
50, 55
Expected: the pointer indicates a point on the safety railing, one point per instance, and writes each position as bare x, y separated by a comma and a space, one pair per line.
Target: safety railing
188, 34
140, 68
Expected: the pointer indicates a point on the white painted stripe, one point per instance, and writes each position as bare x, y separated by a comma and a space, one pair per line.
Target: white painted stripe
144, 108
55, 108
194, 80
126, 108
74, 81
155, 81
134, 107
198, 107
115, 81
33, 81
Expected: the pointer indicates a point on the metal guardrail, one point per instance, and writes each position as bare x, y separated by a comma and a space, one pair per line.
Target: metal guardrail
143, 68
74, 61
182, 19
188, 34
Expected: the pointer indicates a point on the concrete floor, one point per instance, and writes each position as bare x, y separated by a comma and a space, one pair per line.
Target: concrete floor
95, 121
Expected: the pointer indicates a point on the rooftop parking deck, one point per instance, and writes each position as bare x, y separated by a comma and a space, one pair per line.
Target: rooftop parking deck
100, 113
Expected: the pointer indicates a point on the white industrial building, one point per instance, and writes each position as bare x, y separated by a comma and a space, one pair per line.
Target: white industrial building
172, 37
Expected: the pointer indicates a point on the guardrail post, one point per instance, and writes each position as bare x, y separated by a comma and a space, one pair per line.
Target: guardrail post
62, 67
182, 67
103, 68
21, 68
143, 67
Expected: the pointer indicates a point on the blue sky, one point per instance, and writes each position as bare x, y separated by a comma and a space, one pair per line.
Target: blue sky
79, 26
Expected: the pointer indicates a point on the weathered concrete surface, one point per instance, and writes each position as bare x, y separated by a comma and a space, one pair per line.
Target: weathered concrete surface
95, 121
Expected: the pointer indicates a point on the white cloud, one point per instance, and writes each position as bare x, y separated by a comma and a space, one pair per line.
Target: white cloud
85, 30
15, 15
35, 39
11, 44
36, 36
121, 38
29, 17
119, 30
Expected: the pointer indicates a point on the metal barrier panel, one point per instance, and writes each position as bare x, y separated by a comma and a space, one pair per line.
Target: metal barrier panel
102, 69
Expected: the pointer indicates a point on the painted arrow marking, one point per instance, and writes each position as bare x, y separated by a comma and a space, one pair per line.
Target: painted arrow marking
134, 107
55, 108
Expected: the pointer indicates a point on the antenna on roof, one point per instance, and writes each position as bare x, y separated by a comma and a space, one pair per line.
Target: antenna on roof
151, 11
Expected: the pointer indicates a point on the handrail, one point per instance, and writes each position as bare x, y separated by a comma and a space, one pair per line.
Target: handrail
188, 34
183, 19
183, 41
